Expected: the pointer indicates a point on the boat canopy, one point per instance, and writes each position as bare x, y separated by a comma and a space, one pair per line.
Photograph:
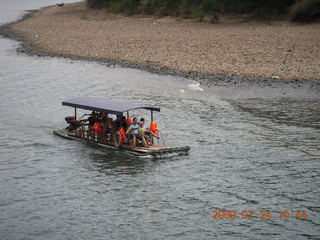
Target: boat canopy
105, 105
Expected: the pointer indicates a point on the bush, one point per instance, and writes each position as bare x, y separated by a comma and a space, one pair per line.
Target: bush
146, 7
305, 10
198, 14
300, 9
94, 3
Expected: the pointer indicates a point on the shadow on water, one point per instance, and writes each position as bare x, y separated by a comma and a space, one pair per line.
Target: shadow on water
112, 162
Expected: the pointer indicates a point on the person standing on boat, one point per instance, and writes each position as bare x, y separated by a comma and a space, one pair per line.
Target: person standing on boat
133, 131
107, 128
91, 121
120, 132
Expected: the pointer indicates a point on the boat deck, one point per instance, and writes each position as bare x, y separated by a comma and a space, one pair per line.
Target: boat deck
145, 149
157, 151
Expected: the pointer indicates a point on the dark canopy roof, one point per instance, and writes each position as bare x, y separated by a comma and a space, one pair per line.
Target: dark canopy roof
105, 105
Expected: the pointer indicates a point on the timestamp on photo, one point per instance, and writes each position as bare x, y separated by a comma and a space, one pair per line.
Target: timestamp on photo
263, 214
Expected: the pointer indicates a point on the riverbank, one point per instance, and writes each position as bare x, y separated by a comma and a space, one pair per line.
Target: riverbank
228, 51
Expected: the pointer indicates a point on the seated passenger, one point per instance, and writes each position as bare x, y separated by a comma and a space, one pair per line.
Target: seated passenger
100, 115
134, 134
73, 124
146, 133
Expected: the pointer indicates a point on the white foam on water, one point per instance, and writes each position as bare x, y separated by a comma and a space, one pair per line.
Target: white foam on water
195, 87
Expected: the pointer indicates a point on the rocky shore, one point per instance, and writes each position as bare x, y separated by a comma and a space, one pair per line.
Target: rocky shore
227, 52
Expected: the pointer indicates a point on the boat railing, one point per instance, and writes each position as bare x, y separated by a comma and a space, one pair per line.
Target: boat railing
161, 138
85, 132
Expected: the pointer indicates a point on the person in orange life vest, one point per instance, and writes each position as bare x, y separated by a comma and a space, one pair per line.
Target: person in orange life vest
147, 133
120, 134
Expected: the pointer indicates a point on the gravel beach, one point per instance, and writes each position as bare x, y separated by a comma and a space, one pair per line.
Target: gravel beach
275, 50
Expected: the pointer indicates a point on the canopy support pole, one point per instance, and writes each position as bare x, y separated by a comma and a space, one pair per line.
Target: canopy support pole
127, 114
151, 115
75, 120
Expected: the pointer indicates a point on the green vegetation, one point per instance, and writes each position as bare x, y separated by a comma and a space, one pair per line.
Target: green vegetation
297, 10
305, 10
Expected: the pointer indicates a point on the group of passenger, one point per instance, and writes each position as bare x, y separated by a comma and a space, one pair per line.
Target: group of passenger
122, 129
137, 131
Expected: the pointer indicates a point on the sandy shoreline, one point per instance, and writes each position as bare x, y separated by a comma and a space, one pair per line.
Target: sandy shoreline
276, 51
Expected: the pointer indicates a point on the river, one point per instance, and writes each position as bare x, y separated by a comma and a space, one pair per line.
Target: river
252, 149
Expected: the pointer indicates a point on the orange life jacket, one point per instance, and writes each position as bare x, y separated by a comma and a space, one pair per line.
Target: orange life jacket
123, 135
154, 128
97, 127
128, 121
94, 127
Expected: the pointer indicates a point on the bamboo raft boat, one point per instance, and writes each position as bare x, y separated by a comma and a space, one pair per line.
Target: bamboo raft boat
81, 131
